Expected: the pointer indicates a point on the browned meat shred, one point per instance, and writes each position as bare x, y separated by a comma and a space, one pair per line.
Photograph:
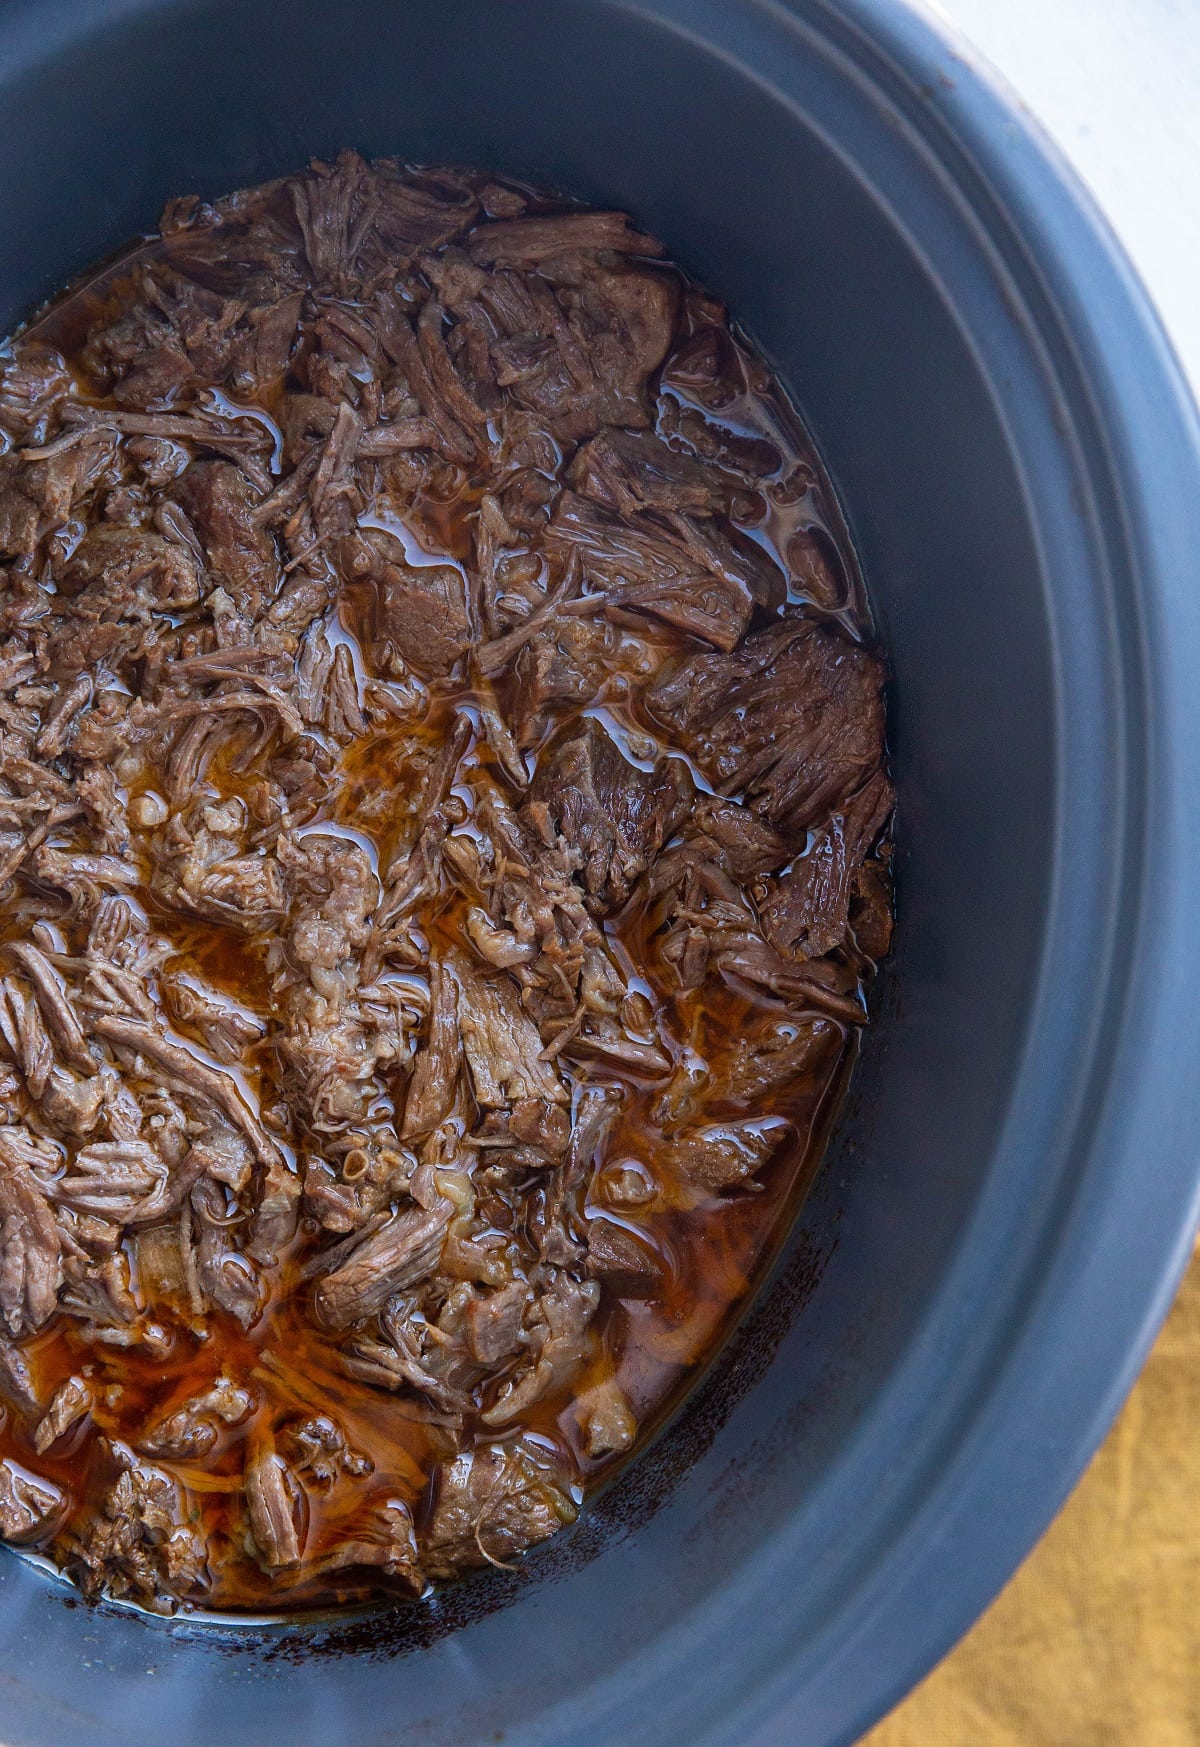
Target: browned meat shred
444, 852
794, 718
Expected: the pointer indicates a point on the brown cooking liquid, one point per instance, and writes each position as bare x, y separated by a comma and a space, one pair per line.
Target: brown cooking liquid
714, 1247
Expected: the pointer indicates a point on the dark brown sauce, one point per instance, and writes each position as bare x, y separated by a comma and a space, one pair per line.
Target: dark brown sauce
713, 1248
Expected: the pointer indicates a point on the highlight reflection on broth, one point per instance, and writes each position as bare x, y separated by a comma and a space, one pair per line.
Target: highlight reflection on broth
443, 832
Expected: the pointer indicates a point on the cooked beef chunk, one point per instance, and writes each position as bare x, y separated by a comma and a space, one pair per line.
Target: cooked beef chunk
226, 1030
807, 909
736, 839
752, 1069
38, 494
21, 513
704, 364
401, 1253
527, 499
418, 210
276, 1217
501, 1043
614, 817
560, 1237
16, 1380
557, 1330
203, 866
755, 457
435, 392
815, 570
794, 717
34, 381
114, 582
616, 1033
319, 1450
497, 946
28, 1506
721, 1155
830, 985
402, 1362
325, 203
605, 1420
871, 910
218, 499
55, 731
185, 335
334, 1043
122, 1180
492, 1504
534, 1123
393, 1021
574, 340
226, 1279
30, 1248
355, 219
420, 611
192, 1430
563, 663
214, 1089
387, 1544
631, 471
70, 1403
622, 1262
274, 1506
142, 1547
527, 887
56, 1010
429, 1357
436, 1066
674, 571
494, 1323
526, 242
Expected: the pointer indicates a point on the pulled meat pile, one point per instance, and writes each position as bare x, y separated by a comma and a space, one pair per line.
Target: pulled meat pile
442, 849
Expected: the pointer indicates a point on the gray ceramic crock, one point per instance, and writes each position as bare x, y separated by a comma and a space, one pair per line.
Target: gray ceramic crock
1012, 1190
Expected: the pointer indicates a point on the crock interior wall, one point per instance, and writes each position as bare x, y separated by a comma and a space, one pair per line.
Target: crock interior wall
612, 108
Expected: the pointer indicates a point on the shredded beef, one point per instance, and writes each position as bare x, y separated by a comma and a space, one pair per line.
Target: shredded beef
444, 851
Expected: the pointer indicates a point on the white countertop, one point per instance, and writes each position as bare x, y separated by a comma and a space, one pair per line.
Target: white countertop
1116, 84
